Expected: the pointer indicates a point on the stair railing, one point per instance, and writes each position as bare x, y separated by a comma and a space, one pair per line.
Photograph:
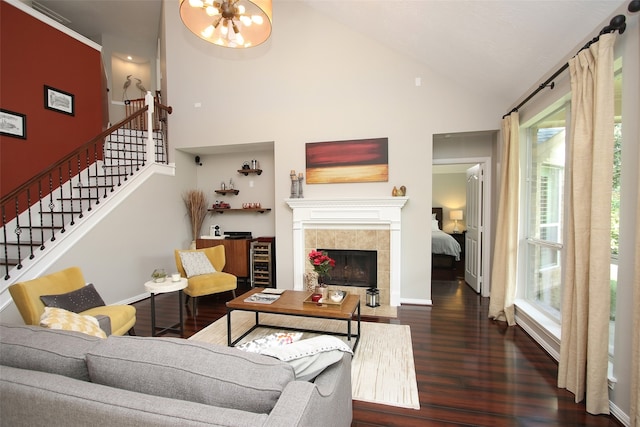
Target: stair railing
56, 198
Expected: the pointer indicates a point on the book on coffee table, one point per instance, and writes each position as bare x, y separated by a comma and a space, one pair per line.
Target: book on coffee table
262, 298
273, 291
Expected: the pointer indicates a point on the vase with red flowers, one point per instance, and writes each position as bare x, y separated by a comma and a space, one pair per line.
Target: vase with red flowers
322, 264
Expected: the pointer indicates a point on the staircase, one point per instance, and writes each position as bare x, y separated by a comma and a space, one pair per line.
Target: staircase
42, 211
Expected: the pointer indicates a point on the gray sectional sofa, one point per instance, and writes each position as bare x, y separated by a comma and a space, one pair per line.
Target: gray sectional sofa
51, 377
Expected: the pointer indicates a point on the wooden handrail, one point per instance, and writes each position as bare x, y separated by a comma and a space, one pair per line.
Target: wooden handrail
75, 152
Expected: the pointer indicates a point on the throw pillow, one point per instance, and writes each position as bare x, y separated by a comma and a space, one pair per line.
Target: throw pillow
196, 263
434, 225
310, 357
58, 318
273, 340
77, 301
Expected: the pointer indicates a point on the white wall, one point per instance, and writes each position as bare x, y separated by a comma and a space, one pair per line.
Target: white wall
316, 80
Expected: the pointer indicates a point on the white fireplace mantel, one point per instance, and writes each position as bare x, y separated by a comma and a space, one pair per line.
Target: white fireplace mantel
377, 213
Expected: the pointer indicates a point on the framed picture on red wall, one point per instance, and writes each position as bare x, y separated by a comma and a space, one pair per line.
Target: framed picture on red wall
58, 100
13, 124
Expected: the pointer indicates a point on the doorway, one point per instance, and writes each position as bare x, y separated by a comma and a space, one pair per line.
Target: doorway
476, 172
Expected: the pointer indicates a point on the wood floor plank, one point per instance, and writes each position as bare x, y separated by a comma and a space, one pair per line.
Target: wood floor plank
471, 371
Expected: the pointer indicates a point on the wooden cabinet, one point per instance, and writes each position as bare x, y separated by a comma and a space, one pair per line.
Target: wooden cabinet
236, 253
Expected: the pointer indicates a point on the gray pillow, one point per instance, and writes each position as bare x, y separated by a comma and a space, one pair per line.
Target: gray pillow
77, 301
46, 350
198, 372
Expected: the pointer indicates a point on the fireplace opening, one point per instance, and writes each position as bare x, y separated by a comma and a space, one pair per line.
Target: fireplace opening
353, 267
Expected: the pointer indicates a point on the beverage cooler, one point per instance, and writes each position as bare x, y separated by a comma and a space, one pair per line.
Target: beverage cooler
263, 262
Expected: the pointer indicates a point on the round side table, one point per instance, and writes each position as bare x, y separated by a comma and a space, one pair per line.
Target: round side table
161, 288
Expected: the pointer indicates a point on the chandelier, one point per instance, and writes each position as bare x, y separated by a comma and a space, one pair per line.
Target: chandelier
228, 23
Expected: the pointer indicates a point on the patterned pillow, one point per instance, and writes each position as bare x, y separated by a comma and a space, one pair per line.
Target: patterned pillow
274, 340
196, 263
58, 318
77, 301
310, 357
308, 347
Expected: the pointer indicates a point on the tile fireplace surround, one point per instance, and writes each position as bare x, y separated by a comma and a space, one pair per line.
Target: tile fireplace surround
363, 223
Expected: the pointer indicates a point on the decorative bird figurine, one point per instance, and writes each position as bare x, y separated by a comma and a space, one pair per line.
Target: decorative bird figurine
143, 90
125, 87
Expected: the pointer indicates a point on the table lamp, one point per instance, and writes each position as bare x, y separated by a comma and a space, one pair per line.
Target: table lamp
455, 216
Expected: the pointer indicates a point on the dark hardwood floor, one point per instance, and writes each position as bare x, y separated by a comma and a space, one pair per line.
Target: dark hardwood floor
471, 371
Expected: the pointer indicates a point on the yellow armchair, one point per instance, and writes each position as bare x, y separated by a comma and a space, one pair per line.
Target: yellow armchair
210, 283
26, 296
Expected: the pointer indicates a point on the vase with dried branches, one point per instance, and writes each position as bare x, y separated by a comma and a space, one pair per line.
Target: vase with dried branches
196, 204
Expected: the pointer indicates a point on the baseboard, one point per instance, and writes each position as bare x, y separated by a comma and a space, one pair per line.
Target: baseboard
416, 301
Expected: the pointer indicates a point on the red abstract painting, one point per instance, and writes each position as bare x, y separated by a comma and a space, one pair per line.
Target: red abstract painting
363, 160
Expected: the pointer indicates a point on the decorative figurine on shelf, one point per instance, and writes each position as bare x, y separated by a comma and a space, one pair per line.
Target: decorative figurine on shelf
294, 184
300, 179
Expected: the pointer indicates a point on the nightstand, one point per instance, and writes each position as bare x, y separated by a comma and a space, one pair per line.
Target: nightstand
460, 238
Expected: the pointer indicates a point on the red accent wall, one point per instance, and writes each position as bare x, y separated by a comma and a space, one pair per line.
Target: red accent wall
33, 55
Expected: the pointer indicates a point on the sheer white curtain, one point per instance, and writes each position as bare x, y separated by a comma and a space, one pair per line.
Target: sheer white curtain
585, 307
505, 253
635, 360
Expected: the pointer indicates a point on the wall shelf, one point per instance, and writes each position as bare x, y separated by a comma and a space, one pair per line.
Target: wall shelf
246, 172
259, 210
228, 191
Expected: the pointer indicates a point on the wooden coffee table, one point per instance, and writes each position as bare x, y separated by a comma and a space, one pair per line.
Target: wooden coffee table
292, 303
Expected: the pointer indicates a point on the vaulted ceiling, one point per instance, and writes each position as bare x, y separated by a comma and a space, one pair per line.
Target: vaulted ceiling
503, 47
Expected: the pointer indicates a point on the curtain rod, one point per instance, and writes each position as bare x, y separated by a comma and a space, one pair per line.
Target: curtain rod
617, 23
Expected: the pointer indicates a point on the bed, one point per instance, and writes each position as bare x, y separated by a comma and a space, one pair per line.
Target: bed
445, 250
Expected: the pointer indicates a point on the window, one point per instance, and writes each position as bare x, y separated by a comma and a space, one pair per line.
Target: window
545, 198
615, 203
545, 177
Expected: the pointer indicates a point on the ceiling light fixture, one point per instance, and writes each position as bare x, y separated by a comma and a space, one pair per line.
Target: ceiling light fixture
229, 23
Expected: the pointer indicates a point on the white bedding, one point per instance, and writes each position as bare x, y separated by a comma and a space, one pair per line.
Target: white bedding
442, 243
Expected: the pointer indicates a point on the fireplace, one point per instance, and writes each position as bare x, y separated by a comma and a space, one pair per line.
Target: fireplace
356, 223
353, 267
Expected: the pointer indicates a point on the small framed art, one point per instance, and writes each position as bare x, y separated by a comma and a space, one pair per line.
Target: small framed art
13, 124
58, 100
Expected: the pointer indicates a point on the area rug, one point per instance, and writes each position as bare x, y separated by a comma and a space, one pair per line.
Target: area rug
382, 370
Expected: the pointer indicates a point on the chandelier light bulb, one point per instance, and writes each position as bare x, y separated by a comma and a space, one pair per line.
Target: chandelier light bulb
239, 39
196, 3
257, 19
246, 21
208, 32
240, 9
224, 29
212, 11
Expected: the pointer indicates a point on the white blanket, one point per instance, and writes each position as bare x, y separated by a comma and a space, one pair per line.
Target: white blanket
442, 243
